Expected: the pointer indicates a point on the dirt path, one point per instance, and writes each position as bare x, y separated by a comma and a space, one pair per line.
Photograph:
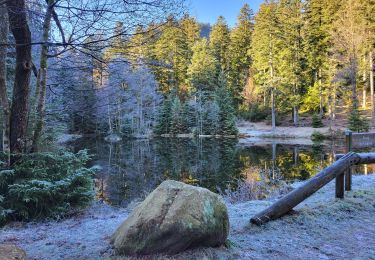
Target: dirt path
322, 228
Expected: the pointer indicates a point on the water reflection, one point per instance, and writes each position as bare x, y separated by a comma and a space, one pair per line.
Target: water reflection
133, 168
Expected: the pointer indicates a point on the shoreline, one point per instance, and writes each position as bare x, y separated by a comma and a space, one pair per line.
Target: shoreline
86, 235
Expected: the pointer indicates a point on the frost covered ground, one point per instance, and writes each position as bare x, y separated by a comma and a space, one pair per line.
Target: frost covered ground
263, 133
320, 228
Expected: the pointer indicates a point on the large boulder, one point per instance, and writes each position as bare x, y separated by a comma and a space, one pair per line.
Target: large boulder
11, 252
173, 218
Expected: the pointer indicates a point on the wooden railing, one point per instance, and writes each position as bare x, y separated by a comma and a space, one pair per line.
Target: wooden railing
340, 170
360, 140
352, 140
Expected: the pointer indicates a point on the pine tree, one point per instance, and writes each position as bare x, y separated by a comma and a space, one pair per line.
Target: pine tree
164, 119
357, 122
239, 53
265, 47
177, 124
211, 118
227, 115
348, 38
319, 16
291, 54
219, 43
191, 29
171, 51
202, 69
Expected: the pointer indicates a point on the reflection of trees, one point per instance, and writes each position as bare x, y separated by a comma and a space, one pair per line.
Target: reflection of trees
134, 168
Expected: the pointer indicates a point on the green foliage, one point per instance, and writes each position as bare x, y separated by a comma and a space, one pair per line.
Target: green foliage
227, 113
317, 137
316, 121
178, 121
164, 118
239, 53
219, 43
256, 113
202, 69
357, 122
171, 48
45, 185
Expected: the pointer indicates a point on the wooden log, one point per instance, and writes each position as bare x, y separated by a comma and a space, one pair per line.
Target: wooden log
292, 199
365, 158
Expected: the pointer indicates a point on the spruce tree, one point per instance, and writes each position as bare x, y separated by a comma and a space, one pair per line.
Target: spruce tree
357, 122
291, 54
191, 29
202, 68
177, 122
265, 48
227, 115
164, 118
239, 53
219, 43
171, 52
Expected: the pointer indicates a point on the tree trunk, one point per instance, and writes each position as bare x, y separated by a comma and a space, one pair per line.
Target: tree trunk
295, 115
372, 88
272, 83
273, 109
353, 79
364, 90
334, 101
20, 29
4, 30
320, 93
41, 96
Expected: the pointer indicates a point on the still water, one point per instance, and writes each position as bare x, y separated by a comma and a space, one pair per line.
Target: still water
133, 168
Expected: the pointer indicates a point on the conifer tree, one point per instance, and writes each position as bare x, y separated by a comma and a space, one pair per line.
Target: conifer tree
191, 29
203, 67
219, 43
171, 52
239, 53
265, 47
291, 54
227, 115
178, 122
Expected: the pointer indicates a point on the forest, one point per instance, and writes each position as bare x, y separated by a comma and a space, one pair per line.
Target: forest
149, 69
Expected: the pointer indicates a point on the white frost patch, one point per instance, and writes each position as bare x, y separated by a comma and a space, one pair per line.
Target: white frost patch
80, 237
319, 236
66, 138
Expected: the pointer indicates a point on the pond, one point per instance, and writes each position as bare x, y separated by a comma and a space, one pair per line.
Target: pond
133, 168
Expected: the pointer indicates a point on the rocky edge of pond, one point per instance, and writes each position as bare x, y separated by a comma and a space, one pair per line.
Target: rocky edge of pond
322, 227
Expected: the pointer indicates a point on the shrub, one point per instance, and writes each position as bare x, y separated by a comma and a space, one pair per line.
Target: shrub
256, 113
317, 137
357, 122
316, 121
45, 185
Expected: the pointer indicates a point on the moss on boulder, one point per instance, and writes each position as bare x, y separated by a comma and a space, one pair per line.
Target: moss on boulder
173, 218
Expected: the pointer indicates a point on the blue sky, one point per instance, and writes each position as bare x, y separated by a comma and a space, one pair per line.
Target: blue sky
208, 10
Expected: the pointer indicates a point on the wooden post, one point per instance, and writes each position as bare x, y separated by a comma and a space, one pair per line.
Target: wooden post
340, 186
292, 199
348, 148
